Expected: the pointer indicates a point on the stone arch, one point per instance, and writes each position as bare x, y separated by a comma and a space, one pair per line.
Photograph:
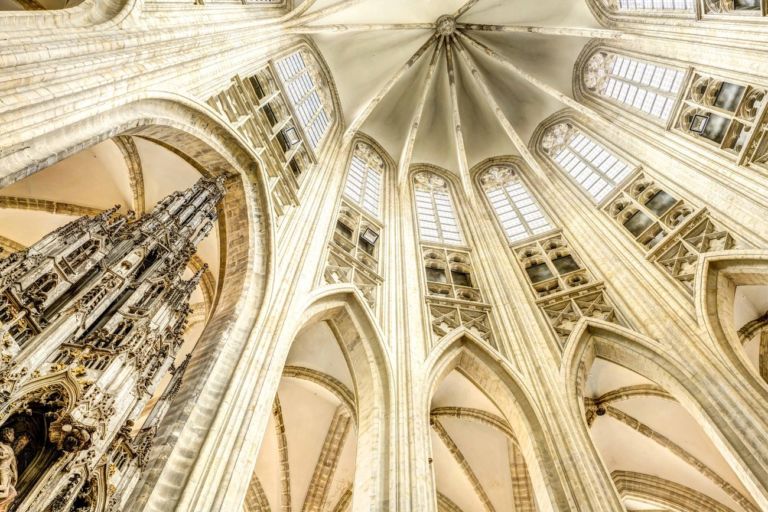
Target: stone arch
719, 275
607, 13
488, 371
65, 382
86, 13
607, 106
36, 412
687, 383
657, 491
569, 116
201, 137
363, 346
339, 311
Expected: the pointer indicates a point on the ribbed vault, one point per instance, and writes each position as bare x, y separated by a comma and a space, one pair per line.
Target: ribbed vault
438, 83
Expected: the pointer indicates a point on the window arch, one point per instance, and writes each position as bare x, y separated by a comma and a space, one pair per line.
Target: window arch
305, 90
516, 209
364, 179
595, 168
435, 210
634, 83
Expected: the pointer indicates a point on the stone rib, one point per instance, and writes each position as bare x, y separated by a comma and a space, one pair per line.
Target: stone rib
285, 470
335, 386
43, 205
522, 490
322, 477
681, 452
255, 498
660, 491
463, 463
130, 152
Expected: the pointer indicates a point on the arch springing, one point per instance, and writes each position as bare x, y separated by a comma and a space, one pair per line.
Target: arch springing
638, 84
303, 87
595, 168
516, 209
434, 210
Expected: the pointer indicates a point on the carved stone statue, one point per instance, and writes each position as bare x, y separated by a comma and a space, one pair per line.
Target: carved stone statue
8, 472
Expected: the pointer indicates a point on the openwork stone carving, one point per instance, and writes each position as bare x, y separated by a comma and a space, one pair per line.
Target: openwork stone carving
255, 106
727, 116
646, 211
453, 297
598, 70
566, 290
557, 137
679, 254
103, 302
732, 7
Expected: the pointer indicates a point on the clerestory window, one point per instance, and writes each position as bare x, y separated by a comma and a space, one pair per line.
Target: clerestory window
656, 5
302, 85
591, 165
634, 83
516, 210
435, 211
364, 179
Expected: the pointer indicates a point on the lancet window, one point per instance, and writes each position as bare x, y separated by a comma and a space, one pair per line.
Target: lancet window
364, 178
303, 86
353, 255
728, 116
516, 209
435, 211
595, 168
643, 86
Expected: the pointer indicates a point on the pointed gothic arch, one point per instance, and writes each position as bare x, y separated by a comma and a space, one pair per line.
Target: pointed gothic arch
343, 310
483, 367
719, 275
687, 383
201, 138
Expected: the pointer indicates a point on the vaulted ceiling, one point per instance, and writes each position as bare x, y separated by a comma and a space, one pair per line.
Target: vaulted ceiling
367, 46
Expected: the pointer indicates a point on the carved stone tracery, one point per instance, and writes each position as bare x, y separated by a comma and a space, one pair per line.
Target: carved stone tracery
104, 305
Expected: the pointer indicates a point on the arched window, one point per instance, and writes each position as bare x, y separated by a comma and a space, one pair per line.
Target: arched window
640, 85
590, 164
363, 185
517, 211
303, 86
434, 210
